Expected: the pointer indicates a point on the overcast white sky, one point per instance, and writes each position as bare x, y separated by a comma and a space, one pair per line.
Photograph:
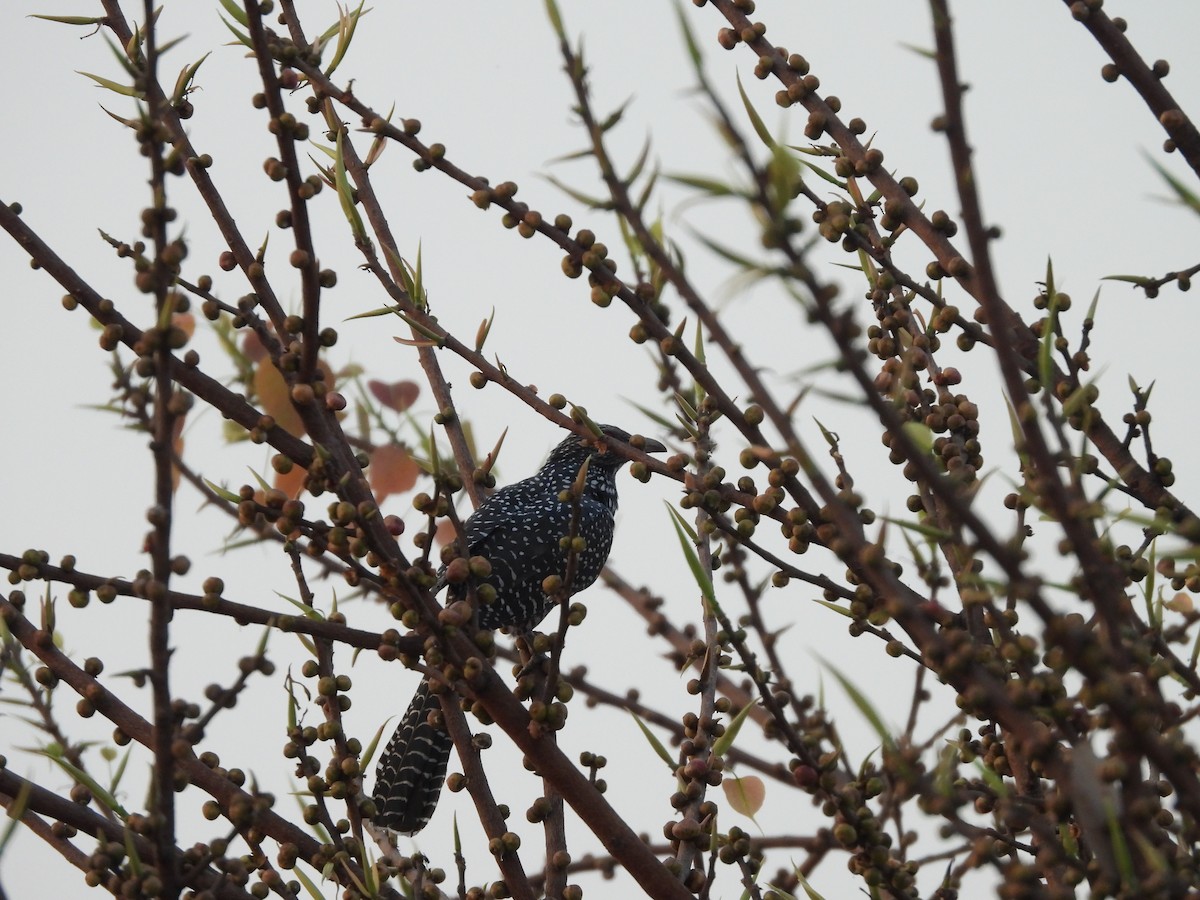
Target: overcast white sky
1060, 156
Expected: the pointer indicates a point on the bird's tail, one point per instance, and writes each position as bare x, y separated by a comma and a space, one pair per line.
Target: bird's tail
408, 779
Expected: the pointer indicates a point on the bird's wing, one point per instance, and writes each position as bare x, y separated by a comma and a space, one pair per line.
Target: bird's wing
518, 528
517, 521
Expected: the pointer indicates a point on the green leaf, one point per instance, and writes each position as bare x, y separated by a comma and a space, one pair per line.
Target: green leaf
784, 173
644, 198
71, 20
236, 12
840, 610
722, 745
920, 434
184, 80
689, 40
654, 742
346, 195
993, 779
308, 884
638, 164
1183, 193
1091, 313
226, 495
15, 810
808, 888
347, 23
658, 419
126, 56
434, 339
1049, 331
241, 36
101, 793
730, 255
1018, 433
372, 313
369, 752
1124, 858
123, 89
689, 412
306, 609
586, 199
1139, 280
556, 21
708, 185
485, 328
115, 781
821, 173
135, 861
614, 118
920, 51
686, 537
755, 120
831, 437
859, 699
929, 531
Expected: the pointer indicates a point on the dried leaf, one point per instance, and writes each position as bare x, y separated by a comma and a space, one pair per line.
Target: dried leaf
1180, 603
745, 795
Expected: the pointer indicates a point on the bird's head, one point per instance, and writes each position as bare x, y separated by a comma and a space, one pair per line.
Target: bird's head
575, 449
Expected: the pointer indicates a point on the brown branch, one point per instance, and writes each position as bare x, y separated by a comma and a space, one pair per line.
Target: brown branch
231, 405
1146, 80
161, 274
477, 785
241, 613
38, 802
243, 808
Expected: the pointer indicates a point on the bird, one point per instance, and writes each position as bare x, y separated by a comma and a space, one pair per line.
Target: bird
519, 529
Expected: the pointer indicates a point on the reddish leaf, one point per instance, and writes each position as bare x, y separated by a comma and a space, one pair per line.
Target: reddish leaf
392, 471
445, 534
252, 347
274, 397
186, 322
399, 395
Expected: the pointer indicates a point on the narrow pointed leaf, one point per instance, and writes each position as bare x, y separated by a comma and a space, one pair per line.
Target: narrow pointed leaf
859, 699
122, 89
654, 742
724, 743
556, 21
755, 120
236, 12
347, 23
346, 196
71, 20
241, 36
703, 578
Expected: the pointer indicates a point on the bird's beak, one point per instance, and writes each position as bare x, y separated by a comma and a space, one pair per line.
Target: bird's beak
649, 445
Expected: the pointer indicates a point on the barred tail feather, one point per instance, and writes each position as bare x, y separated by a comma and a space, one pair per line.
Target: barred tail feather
408, 779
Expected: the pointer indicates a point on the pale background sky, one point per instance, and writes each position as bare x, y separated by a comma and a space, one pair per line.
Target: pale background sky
1059, 155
